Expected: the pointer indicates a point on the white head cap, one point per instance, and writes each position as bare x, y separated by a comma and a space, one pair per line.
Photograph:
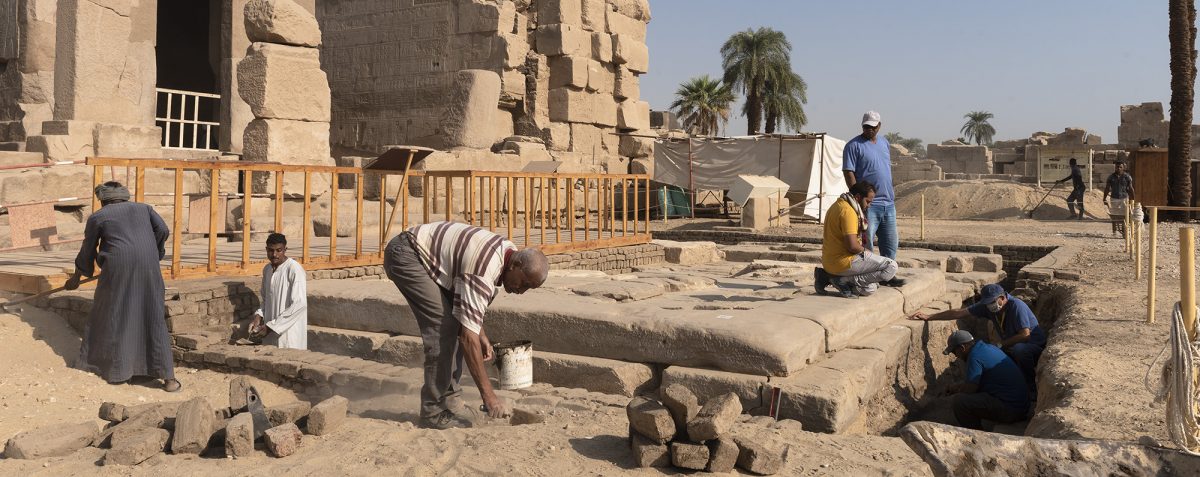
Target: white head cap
870, 118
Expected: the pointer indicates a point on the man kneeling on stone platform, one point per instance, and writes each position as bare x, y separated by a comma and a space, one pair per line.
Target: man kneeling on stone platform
994, 388
1022, 339
449, 274
848, 265
283, 318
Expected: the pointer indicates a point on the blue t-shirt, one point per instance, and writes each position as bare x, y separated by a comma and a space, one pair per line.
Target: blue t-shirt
871, 161
1015, 316
997, 375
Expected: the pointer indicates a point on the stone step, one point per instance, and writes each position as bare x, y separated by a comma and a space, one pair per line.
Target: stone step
17, 158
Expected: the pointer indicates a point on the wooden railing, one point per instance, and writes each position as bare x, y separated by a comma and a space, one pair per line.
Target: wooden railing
554, 212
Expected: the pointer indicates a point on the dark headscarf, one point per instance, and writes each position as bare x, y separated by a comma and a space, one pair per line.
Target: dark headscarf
110, 191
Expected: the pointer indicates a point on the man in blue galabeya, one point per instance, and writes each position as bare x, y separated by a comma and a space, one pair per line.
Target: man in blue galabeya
994, 389
1021, 337
866, 157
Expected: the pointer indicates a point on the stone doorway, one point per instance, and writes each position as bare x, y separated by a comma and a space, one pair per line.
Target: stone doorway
188, 87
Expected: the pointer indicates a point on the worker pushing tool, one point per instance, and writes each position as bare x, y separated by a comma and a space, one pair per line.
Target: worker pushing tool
1075, 199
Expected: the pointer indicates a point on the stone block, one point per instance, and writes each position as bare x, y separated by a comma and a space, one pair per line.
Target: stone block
119, 140
136, 447
51, 441
632, 53
601, 375
601, 78
569, 71
571, 106
470, 110
987, 263
558, 136
238, 387
627, 84
592, 15
618, 23
558, 40
635, 9
759, 457
715, 419
239, 436
633, 114
512, 84
637, 145
649, 453
683, 405
604, 109
194, 426
283, 441
566, 12
358, 344
690, 253
650, 419
327, 415
724, 454
104, 65
689, 456
281, 21
289, 142
585, 138
602, 47
112, 412
288, 413
957, 264
486, 17
761, 213
17, 158
63, 147
284, 82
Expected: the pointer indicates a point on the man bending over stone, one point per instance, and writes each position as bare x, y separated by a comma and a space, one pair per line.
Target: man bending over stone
848, 265
283, 318
994, 388
449, 274
1022, 338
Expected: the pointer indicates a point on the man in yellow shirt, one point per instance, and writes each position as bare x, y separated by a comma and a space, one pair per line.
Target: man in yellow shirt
848, 265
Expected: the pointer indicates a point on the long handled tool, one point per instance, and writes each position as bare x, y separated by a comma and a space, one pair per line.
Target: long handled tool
1039, 204
5, 306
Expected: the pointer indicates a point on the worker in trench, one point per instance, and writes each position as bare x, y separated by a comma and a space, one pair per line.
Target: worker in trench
994, 388
1021, 337
449, 273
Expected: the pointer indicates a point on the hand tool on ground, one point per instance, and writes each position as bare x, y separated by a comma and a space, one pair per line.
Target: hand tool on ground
5, 306
1039, 204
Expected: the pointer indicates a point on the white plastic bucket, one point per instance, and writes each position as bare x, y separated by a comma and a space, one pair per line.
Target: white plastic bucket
514, 360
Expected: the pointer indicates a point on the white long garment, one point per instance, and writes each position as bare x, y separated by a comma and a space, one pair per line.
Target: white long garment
285, 305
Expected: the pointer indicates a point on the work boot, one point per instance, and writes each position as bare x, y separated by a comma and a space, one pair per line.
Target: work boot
820, 280
1081, 211
844, 287
444, 420
895, 282
1071, 205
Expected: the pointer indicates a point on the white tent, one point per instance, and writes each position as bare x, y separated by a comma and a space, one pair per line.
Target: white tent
811, 164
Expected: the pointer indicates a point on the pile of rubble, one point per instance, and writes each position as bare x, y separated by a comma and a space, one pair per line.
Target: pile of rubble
678, 431
136, 433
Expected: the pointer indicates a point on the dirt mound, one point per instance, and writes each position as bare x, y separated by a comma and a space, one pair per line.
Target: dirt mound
979, 199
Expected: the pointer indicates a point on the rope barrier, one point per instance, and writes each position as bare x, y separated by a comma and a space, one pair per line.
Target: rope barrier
1177, 385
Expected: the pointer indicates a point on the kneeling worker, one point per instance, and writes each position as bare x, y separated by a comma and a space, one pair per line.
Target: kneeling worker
1021, 337
994, 388
283, 318
848, 265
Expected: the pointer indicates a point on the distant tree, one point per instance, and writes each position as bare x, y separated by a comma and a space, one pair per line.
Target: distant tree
783, 103
1182, 35
751, 59
915, 146
977, 127
703, 104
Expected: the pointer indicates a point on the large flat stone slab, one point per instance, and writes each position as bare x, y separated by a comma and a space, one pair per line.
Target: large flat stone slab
843, 319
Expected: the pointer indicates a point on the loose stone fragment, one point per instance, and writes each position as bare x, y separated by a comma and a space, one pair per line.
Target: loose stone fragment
648, 453
136, 446
723, 455
326, 416
689, 456
759, 458
716, 418
51, 441
239, 435
650, 419
283, 441
290, 412
683, 405
193, 427
112, 412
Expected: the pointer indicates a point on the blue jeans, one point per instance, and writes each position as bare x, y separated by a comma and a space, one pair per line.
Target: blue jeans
1026, 356
881, 220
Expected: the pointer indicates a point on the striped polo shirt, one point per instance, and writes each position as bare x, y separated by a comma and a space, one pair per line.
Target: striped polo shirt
465, 259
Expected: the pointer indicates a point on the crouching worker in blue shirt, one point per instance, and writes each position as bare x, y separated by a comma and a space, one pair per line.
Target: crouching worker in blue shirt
1022, 339
994, 388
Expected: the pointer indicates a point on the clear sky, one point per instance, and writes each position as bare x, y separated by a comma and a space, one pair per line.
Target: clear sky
1038, 65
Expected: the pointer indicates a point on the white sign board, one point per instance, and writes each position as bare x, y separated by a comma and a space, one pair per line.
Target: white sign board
1055, 165
747, 187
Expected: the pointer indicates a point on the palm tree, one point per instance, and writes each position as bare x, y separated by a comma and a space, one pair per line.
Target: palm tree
977, 128
1182, 35
703, 104
783, 103
914, 145
751, 59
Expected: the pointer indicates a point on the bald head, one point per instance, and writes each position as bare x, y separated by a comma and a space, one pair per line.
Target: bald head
527, 269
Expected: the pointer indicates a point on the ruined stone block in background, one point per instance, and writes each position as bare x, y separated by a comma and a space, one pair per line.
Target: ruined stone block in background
633, 115
601, 77
557, 136
557, 40
604, 110
585, 138
471, 110
593, 14
568, 105
566, 12
626, 84
569, 71
288, 141
119, 140
284, 82
484, 17
632, 53
602, 47
619, 24
281, 21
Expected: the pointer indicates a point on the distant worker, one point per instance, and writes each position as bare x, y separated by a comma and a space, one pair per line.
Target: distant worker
1022, 338
846, 262
283, 319
1119, 187
1075, 199
448, 272
994, 388
126, 333
867, 157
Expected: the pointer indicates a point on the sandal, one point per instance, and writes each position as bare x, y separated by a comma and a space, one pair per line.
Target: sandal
172, 385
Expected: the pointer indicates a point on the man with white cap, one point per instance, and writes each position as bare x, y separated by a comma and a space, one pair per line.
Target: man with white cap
1021, 337
994, 388
866, 157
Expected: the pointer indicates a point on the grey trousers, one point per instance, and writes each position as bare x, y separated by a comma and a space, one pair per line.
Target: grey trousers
972, 409
867, 270
433, 308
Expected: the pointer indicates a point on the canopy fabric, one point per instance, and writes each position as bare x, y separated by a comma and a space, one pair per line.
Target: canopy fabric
808, 166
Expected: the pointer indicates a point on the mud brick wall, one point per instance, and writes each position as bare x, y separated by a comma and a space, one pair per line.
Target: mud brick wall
610, 260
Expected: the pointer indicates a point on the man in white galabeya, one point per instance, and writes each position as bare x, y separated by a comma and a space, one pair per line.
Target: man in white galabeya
283, 318
866, 157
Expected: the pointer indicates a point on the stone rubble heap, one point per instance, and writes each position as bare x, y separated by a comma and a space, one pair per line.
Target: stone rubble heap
137, 433
677, 431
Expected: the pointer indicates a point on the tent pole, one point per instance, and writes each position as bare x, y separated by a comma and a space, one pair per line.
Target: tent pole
821, 188
691, 180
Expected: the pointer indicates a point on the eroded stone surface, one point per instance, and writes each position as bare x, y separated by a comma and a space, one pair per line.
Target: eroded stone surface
51, 441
